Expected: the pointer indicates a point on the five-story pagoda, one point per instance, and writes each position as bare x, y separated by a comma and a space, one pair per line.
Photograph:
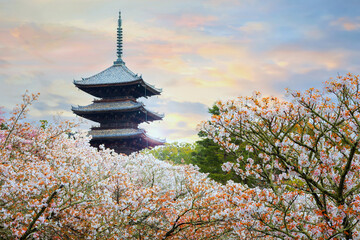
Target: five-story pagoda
117, 109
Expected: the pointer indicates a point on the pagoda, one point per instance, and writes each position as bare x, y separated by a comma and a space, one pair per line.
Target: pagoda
116, 108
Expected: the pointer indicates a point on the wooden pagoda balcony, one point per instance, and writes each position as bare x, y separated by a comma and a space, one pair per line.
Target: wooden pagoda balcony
115, 125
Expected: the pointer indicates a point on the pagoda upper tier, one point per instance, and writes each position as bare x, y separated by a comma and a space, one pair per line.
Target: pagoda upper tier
117, 81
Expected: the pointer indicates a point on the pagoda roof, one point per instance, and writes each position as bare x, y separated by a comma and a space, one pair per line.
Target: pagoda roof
106, 106
117, 74
117, 106
122, 133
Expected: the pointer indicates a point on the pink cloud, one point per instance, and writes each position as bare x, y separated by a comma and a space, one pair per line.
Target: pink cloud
55, 46
194, 21
166, 50
190, 20
347, 23
254, 27
302, 60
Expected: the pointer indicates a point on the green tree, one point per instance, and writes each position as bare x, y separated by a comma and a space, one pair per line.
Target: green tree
210, 156
176, 152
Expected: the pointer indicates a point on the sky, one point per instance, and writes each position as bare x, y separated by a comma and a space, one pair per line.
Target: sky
197, 51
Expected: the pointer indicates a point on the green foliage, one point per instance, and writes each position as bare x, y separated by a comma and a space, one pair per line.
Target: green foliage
209, 157
178, 153
3, 126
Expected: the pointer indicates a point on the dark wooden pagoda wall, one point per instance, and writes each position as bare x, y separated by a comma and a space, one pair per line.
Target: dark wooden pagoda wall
108, 91
136, 116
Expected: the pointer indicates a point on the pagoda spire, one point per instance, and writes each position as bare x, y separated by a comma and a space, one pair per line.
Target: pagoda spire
119, 50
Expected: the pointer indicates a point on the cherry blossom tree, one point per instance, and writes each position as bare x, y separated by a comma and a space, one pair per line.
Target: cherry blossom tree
54, 185
307, 154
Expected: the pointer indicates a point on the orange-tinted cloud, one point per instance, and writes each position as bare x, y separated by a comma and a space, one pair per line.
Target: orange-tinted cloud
50, 44
302, 60
194, 21
347, 23
254, 27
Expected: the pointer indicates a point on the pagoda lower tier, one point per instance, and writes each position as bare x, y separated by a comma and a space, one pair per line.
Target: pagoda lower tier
125, 140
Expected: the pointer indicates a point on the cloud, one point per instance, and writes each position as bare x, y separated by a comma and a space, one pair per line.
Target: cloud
52, 45
185, 107
347, 24
194, 21
254, 27
228, 3
4, 63
302, 60
151, 33
180, 121
302, 82
175, 127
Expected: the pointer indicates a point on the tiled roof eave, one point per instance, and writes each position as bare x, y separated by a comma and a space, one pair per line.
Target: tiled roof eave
152, 87
115, 134
155, 140
154, 115
149, 87
101, 110
79, 83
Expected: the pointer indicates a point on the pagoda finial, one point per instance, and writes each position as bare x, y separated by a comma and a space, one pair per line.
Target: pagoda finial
119, 42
